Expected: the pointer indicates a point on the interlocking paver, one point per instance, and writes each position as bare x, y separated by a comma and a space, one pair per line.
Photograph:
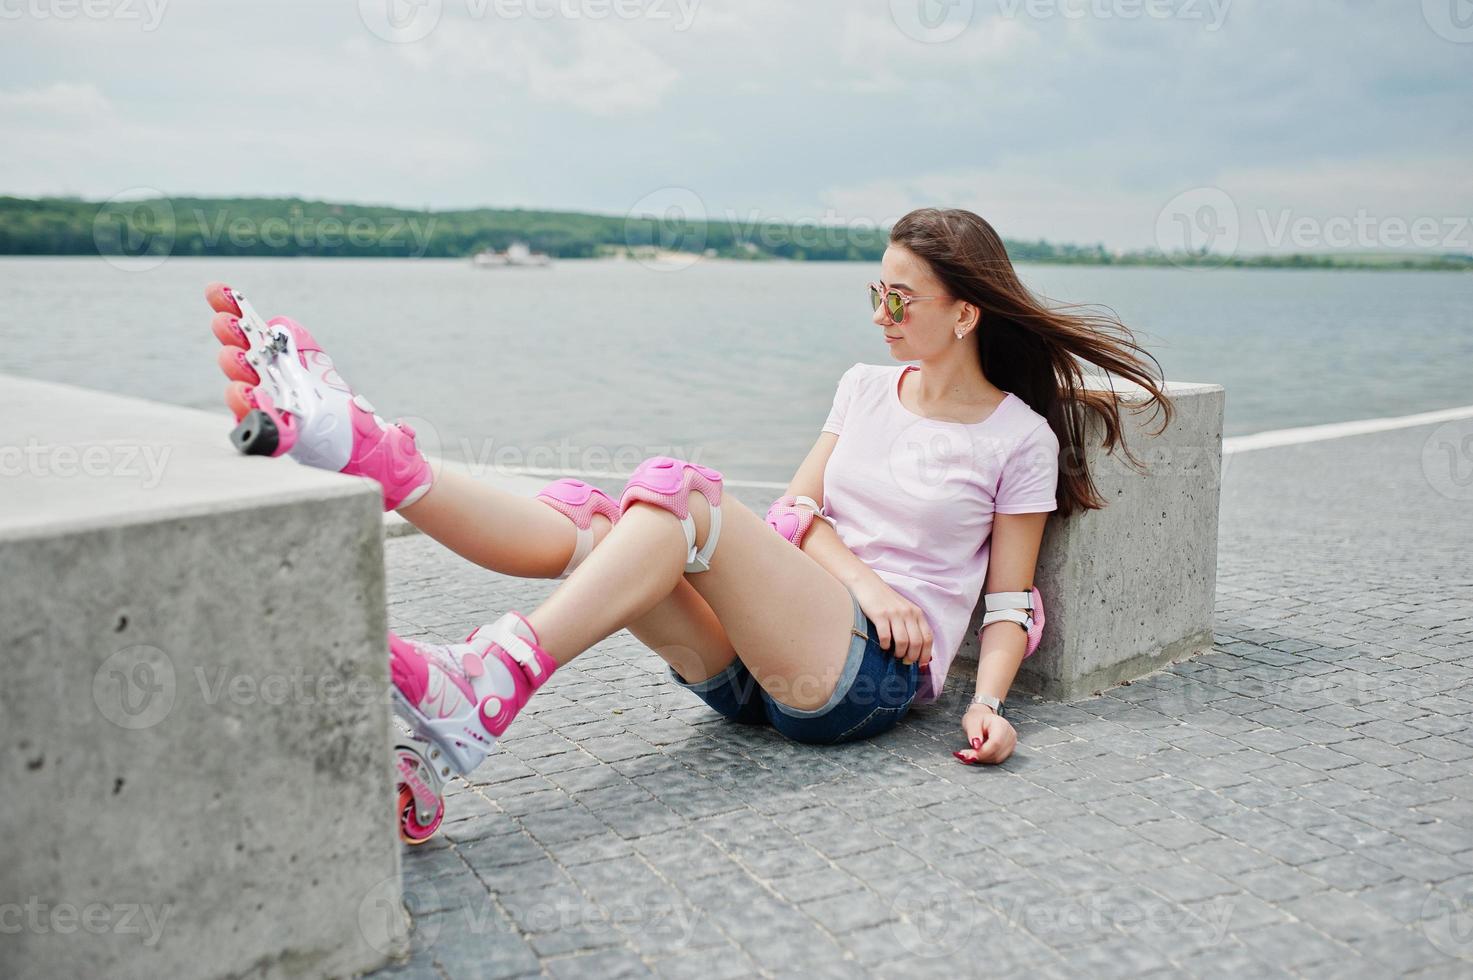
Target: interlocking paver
1296, 802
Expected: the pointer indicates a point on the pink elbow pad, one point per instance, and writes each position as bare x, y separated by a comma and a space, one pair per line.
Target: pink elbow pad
1023, 608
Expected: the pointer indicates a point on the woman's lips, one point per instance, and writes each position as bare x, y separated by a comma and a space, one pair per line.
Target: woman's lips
890, 340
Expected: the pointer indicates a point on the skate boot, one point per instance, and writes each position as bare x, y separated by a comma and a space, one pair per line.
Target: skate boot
288, 398
457, 700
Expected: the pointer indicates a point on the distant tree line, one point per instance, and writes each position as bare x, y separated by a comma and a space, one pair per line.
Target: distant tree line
294, 227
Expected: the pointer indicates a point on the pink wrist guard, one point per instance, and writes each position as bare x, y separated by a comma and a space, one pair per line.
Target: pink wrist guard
792, 516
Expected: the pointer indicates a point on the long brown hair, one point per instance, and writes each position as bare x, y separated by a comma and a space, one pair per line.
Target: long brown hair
1034, 349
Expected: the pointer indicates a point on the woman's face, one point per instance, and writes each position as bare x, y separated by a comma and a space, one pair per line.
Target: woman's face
930, 325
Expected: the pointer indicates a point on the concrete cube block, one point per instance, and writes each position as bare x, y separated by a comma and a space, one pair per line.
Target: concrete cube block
1130, 588
194, 716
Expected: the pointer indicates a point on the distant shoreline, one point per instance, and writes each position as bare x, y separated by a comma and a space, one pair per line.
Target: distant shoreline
157, 228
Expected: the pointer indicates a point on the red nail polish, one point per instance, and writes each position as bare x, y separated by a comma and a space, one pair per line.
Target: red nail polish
976, 743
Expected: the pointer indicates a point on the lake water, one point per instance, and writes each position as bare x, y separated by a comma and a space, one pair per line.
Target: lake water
589, 365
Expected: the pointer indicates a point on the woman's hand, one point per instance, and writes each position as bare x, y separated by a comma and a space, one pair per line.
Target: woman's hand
990, 735
896, 619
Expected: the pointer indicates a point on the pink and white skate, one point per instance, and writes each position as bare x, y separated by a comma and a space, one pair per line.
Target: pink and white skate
288, 398
458, 699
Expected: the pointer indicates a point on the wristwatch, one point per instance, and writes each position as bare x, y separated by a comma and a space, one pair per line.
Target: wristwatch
994, 703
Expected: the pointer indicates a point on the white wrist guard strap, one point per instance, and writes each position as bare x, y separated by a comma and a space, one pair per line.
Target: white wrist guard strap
814, 506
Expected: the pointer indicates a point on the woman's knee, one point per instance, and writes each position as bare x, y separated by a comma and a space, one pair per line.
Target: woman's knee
591, 512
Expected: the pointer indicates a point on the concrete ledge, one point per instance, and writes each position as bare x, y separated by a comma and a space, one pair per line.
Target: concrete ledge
1130, 588
195, 724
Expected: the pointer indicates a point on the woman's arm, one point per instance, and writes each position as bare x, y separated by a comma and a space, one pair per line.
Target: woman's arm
822, 543
901, 625
1016, 539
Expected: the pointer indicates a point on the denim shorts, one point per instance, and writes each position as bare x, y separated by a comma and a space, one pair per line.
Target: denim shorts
874, 692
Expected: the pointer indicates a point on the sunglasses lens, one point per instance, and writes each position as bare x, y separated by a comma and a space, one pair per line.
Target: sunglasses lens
874, 298
895, 306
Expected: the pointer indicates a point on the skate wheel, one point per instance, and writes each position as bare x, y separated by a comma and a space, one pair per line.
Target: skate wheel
411, 831
239, 399
256, 435
235, 366
221, 298
226, 327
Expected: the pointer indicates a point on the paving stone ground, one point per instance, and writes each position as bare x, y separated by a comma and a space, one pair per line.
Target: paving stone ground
1298, 802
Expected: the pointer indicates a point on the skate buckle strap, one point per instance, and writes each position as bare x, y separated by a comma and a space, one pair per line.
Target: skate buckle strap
522, 652
503, 633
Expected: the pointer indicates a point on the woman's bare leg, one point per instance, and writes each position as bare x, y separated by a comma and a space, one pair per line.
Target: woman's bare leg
787, 618
495, 528
522, 536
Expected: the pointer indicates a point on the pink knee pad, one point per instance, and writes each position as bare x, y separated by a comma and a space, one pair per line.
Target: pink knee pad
668, 483
1023, 608
792, 516
579, 502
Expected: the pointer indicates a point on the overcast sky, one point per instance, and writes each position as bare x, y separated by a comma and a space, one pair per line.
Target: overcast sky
1114, 121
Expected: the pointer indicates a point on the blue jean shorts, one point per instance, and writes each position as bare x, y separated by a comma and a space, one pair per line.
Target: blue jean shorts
874, 692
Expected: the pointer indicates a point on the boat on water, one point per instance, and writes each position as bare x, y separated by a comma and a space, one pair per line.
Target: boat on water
517, 254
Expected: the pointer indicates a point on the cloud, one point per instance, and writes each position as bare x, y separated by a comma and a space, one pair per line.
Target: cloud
70, 99
599, 68
1075, 129
1027, 199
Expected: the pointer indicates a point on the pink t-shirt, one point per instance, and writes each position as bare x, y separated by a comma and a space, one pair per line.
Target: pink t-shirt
913, 497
